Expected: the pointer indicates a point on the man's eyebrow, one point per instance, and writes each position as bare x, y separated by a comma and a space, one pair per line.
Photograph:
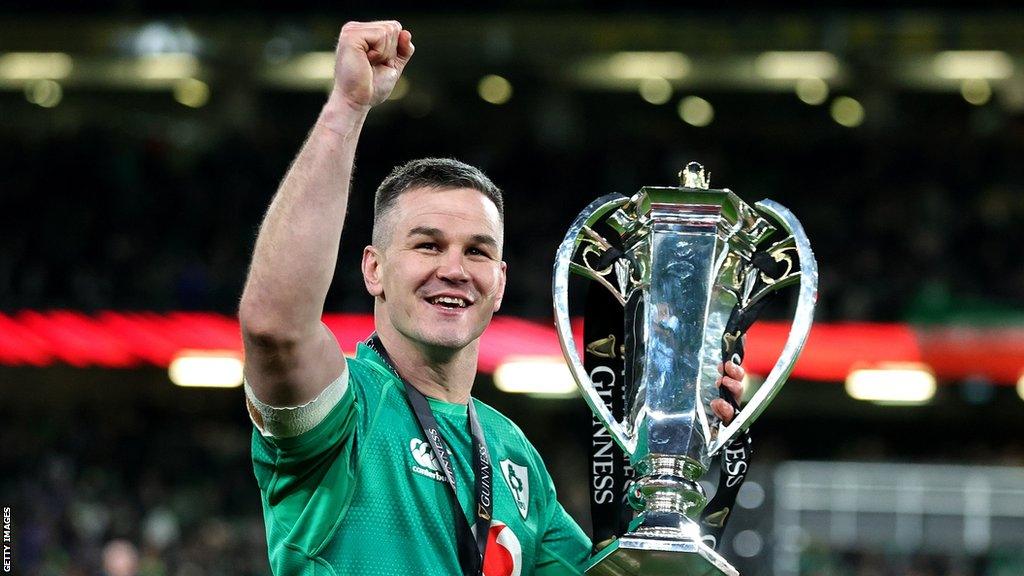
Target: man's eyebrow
485, 239
426, 231
432, 232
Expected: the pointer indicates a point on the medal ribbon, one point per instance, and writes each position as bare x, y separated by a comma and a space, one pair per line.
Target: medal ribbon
470, 548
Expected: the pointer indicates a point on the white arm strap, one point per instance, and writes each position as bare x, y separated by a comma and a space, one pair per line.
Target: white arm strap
286, 421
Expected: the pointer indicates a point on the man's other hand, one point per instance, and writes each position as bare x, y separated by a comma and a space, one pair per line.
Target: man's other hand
369, 60
733, 382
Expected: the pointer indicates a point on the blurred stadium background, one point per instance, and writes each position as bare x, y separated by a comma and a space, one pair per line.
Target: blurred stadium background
140, 142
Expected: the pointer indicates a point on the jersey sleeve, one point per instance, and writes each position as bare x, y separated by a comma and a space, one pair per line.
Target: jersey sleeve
306, 479
287, 421
564, 547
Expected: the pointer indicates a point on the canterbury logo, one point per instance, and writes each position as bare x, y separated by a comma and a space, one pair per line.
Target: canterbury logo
426, 464
423, 455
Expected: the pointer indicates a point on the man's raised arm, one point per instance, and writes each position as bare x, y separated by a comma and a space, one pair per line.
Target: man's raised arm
290, 356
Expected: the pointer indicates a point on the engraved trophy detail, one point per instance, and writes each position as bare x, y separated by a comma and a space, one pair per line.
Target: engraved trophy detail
681, 261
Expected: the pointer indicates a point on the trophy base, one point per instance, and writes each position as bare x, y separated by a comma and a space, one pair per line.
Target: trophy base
632, 556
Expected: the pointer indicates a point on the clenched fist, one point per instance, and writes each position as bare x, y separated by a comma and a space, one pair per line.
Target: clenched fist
369, 59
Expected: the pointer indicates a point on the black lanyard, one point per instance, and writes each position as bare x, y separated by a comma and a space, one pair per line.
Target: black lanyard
470, 557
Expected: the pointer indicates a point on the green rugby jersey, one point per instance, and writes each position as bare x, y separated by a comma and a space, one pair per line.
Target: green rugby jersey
361, 493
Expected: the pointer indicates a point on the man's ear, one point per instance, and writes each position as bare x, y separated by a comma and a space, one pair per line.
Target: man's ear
371, 266
501, 287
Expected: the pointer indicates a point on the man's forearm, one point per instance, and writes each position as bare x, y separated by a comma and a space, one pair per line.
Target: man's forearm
297, 247
290, 356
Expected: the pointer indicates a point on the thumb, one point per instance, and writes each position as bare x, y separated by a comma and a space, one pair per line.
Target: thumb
404, 50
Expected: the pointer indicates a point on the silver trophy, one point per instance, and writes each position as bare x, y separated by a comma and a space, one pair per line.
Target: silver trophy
683, 258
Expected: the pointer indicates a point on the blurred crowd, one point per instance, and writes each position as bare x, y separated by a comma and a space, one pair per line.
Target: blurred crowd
127, 201
154, 209
124, 494
824, 562
162, 492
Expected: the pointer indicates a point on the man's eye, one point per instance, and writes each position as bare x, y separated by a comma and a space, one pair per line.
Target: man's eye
426, 246
477, 252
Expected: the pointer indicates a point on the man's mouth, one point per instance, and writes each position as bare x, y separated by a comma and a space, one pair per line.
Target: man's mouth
450, 302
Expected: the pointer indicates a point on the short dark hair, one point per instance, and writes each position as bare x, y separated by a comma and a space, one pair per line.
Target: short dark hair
436, 173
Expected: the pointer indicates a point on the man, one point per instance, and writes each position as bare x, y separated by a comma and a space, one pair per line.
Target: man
382, 463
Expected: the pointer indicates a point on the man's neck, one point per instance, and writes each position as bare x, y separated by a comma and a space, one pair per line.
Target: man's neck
437, 373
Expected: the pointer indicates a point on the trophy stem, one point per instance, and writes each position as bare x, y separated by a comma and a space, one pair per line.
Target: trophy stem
668, 497
664, 538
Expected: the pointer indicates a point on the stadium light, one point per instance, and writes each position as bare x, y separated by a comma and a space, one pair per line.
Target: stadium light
494, 89
45, 93
973, 64
655, 90
206, 368
35, 66
696, 111
904, 384
169, 66
315, 66
813, 91
747, 543
307, 71
644, 65
796, 65
192, 93
847, 112
535, 375
976, 91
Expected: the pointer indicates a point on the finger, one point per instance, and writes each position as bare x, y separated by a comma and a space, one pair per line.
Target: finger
405, 48
392, 28
370, 37
735, 387
380, 45
735, 371
723, 410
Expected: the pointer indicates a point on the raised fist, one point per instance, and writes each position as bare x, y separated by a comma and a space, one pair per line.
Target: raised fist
369, 59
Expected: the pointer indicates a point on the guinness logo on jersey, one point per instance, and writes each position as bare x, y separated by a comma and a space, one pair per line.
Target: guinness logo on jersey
504, 552
425, 462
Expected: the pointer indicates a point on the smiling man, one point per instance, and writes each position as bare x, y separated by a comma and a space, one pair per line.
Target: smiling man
384, 463
435, 271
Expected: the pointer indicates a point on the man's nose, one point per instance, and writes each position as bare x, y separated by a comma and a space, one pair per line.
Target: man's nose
452, 267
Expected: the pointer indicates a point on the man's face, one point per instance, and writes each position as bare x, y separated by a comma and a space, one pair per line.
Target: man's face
439, 277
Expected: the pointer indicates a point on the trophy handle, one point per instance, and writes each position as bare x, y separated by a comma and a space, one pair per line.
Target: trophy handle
801, 327
560, 292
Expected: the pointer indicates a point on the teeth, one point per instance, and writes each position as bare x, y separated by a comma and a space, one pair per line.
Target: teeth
450, 300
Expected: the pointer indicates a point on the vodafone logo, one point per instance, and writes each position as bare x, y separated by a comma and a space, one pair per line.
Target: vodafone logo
504, 553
